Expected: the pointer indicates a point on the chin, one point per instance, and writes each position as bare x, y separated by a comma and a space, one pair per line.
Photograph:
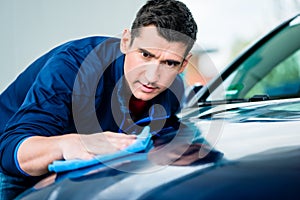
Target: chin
144, 96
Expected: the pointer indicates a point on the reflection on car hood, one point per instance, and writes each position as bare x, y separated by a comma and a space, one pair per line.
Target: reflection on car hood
272, 174
243, 129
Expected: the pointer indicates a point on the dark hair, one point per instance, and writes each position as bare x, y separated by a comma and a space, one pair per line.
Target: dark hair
172, 18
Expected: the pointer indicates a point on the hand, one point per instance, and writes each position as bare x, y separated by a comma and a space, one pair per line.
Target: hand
37, 152
80, 146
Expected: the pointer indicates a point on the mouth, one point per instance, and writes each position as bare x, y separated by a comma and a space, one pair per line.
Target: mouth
148, 88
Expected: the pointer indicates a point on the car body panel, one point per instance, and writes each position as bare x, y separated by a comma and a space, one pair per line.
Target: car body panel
246, 142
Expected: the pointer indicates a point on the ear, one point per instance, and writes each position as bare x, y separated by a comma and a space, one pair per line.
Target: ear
185, 63
125, 41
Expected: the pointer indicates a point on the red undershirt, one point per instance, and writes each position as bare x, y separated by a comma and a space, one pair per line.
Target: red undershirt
137, 107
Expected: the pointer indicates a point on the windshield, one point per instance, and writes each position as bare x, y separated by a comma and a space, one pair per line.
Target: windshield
272, 70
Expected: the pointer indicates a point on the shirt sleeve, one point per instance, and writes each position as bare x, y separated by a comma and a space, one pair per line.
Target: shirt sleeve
44, 112
72, 71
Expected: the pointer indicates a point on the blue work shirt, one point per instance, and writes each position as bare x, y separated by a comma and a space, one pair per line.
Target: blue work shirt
78, 87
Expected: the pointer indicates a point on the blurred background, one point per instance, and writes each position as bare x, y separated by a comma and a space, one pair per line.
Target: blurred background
226, 27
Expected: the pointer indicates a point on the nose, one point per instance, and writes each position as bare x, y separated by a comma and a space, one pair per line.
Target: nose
152, 72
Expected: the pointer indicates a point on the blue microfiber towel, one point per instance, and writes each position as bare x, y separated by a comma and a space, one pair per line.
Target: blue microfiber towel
77, 173
143, 143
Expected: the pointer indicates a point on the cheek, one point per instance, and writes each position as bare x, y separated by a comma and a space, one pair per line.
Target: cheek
166, 79
132, 71
131, 64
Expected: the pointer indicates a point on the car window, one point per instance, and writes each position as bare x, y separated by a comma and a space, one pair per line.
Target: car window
273, 70
282, 81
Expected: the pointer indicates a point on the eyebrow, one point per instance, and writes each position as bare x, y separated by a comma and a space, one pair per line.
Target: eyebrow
176, 62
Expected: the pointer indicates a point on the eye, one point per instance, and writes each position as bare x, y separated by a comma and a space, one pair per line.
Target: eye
172, 64
145, 54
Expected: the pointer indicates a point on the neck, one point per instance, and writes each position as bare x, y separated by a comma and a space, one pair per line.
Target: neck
137, 107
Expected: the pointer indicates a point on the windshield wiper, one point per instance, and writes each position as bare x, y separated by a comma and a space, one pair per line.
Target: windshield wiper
255, 98
207, 108
220, 102
262, 97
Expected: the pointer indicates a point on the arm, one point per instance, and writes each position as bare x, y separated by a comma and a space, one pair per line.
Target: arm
45, 118
37, 152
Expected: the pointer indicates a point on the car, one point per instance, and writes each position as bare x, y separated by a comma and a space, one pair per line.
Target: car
239, 138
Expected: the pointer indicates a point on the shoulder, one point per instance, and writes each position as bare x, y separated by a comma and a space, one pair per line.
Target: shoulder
70, 56
82, 47
92, 43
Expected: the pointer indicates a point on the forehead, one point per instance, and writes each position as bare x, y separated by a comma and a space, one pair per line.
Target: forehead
150, 39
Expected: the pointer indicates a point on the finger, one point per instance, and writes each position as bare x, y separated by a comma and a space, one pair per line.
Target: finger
121, 142
123, 139
119, 135
87, 156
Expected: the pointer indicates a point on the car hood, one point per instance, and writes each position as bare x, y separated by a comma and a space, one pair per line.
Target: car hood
235, 133
242, 129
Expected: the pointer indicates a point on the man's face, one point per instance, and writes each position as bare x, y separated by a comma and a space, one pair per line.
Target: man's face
151, 62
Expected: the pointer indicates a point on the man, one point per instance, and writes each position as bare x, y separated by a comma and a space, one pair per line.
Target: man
73, 102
